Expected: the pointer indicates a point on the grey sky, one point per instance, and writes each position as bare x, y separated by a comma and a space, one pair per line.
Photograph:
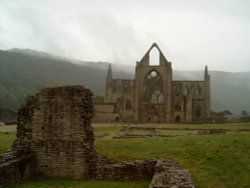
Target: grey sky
191, 33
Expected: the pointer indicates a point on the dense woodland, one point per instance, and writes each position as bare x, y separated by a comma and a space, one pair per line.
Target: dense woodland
24, 72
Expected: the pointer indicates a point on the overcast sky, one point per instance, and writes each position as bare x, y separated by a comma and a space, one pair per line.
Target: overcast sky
191, 33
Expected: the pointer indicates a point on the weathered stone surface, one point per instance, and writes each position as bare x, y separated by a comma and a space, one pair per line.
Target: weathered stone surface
153, 95
128, 132
62, 132
54, 136
15, 169
128, 170
55, 139
169, 175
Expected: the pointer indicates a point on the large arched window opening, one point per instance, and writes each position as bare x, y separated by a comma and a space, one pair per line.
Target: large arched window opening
153, 88
154, 57
156, 97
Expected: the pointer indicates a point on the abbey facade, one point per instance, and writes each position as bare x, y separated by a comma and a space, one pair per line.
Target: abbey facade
153, 96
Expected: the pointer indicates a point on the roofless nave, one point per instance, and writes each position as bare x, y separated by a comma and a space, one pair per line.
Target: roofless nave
153, 96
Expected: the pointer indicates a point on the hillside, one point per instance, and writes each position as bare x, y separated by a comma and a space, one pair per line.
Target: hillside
22, 75
24, 72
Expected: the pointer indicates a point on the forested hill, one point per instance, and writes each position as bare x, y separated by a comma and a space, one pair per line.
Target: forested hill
24, 72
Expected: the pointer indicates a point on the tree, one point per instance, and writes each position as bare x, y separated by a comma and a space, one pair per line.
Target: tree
244, 113
221, 113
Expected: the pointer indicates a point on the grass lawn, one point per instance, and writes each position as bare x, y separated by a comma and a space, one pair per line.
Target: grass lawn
220, 161
6, 140
231, 126
69, 183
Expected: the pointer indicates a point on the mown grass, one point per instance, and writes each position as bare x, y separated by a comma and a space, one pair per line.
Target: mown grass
231, 126
214, 160
220, 161
6, 140
110, 129
69, 183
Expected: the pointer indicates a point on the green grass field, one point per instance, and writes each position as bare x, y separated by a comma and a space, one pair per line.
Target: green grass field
6, 140
220, 161
68, 183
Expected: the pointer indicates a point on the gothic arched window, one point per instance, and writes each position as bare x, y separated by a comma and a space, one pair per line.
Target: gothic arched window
153, 88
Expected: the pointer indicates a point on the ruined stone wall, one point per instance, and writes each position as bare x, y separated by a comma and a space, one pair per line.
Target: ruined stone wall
187, 97
183, 101
62, 136
125, 170
162, 172
121, 91
55, 139
14, 168
104, 108
121, 94
105, 113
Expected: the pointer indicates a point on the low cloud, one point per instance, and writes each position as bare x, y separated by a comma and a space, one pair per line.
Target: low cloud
191, 35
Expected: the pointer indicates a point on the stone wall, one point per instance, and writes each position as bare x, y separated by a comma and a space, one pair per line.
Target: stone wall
13, 169
55, 139
169, 175
54, 135
125, 170
105, 113
104, 108
62, 132
153, 96
162, 172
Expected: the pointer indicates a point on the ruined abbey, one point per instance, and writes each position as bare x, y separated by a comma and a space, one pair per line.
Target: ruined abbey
153, 96
55, 139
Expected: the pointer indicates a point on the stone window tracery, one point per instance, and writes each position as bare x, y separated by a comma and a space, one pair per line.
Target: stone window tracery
153, 88
156, 97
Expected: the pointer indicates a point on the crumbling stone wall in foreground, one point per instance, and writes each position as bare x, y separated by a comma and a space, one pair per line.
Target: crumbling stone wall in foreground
55, 139
62, 136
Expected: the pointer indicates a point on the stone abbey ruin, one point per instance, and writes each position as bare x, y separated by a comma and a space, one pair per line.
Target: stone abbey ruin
55, 139
153, 96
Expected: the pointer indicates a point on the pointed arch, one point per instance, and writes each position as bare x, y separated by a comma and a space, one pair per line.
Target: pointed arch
146, 58
178, 119
153, 73
154, 57
153, 87
156, 97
